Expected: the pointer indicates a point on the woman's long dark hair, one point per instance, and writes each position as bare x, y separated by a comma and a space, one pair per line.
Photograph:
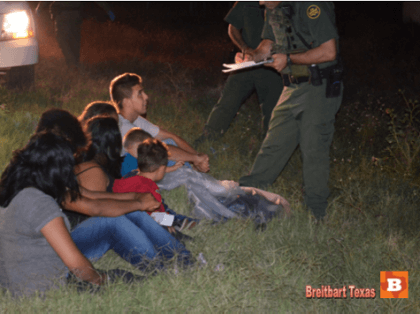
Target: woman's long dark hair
45, 163
63, 122
97, 108
106, 144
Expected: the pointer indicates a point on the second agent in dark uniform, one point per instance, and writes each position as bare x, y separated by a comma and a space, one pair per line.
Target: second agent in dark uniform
246, 21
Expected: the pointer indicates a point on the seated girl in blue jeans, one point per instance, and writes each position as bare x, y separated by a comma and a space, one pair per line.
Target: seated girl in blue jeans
120, 222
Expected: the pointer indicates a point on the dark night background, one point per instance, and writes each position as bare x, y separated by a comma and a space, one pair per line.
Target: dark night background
379, 51
352, 17
369, 31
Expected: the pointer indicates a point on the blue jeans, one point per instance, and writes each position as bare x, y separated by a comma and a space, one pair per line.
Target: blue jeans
136, 237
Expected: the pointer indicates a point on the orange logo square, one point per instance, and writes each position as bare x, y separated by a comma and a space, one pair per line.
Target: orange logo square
394, 284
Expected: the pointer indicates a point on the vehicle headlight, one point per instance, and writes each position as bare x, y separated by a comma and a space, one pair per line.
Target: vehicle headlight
16, 25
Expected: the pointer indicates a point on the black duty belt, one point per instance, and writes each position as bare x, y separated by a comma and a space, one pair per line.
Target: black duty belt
288, 79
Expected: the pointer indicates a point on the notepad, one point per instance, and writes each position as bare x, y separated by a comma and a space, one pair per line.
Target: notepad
244, 65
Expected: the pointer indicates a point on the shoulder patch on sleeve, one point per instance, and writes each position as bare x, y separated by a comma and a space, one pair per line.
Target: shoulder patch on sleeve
313, 11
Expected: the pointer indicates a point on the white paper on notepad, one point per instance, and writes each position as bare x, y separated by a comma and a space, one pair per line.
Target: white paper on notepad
163, 219
244, 65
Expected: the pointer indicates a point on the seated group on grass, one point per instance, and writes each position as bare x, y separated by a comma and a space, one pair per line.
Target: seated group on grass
36, 247
107, 193
64, 167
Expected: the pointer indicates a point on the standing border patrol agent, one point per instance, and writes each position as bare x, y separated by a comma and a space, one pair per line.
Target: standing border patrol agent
67, 17
303, 41
246, 21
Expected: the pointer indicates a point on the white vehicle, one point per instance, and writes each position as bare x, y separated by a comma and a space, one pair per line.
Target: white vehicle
18, 44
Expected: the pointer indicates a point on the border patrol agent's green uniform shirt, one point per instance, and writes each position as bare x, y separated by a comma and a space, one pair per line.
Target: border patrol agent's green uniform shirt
303, 115
314, 21
249, 18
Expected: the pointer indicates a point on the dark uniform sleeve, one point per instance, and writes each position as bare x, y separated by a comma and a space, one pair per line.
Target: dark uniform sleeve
320, 20
267, 32
236, 15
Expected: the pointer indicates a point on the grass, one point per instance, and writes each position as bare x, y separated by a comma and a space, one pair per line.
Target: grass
373, 215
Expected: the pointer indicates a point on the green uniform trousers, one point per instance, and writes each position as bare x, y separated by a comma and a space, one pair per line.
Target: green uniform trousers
239, 86
305, 117
68, 24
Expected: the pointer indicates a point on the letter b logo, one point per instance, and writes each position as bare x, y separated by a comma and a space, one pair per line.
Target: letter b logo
394, 284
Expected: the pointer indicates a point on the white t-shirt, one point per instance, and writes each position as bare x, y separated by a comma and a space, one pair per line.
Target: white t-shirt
140, 122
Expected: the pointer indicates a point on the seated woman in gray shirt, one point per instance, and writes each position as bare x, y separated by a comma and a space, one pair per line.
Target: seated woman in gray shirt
36, 249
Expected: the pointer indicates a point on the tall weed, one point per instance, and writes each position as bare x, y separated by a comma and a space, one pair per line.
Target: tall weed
404, 138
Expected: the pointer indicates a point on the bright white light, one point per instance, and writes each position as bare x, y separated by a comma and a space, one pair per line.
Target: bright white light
16, 25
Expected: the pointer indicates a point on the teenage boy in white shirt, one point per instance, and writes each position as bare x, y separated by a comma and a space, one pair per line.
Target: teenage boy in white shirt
127, 93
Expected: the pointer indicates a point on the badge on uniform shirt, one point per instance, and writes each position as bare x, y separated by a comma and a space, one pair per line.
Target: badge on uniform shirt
313, 11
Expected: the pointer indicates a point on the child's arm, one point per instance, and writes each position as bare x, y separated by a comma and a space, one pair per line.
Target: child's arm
60, 240
184, 151
177, 165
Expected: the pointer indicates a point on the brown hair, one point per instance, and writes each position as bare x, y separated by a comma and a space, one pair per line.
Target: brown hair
135, 135
121, 87
152, 154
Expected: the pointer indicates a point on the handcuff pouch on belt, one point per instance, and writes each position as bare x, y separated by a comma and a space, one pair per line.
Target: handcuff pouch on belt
334, 76
297, 74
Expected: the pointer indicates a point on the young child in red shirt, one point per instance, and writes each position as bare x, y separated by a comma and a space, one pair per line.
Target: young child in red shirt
152, 158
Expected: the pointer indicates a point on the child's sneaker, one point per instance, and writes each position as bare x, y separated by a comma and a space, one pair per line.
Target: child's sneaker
186, 223
179, 224
191, 224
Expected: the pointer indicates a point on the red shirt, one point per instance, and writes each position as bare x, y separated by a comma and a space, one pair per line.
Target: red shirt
138, 184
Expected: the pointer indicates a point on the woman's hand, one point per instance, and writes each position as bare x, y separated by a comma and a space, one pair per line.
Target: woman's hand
147, 202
